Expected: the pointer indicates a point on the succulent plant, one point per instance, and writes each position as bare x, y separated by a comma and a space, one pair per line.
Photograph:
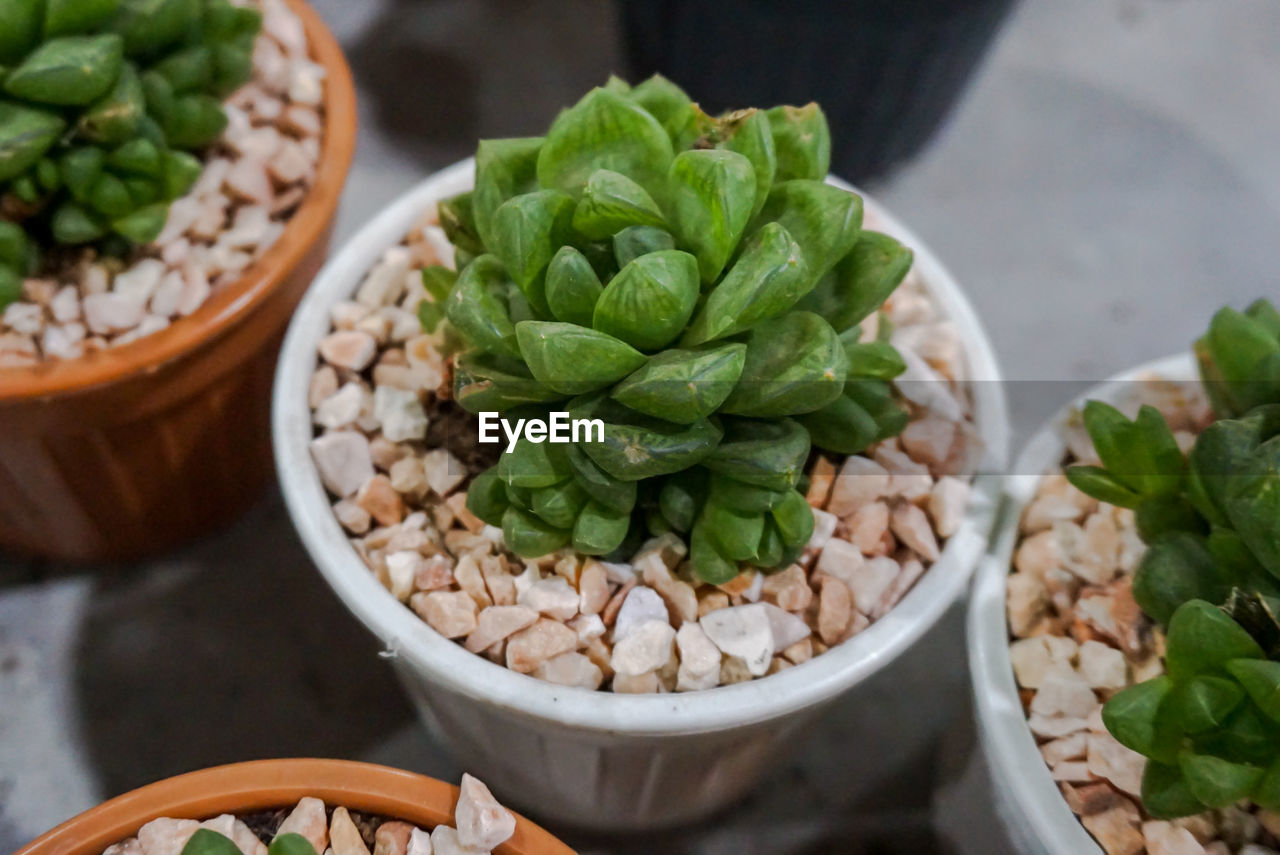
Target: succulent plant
101, 103
206, 841
1210, 726
691, 282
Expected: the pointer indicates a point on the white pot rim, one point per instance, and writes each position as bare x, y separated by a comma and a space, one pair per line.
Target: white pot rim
449, 665
1016, 763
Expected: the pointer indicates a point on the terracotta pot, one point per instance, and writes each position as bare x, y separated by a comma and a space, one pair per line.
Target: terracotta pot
141, 447
267, 784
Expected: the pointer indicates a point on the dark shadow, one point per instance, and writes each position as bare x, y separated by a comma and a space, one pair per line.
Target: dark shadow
232, 650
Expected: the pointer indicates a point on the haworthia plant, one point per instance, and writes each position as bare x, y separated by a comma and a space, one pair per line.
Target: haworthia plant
206, 841
691, 282
1210, 727
102, 103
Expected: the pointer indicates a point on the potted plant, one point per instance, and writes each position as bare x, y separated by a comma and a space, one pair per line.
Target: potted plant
778, 500
169, 173
1144, 647
297, 807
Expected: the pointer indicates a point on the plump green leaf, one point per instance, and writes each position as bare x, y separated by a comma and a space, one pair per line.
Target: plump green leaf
527, 231
290, 843
110, 197
80, 168
604, 130
845, 426
824, 220
1245, 736
749, 133
1204, 702
187, 70
878, 360
1170, 512
560, 504
803, 142
572, 287
650, 300
149, 27
741, 497
573, 359
527, 535
682, 496
637, 446
683, 386
768, 278
533, 465
1224, 449
1202, 639
143, 225
712, 195
483, 382
1166, 794
1235, 345
68, 71
69, 17
14, 246
599, 529
476, 308
232, 67
768, 454
194, 121
1097, 482
1261, 679
1252, 503
487, 496
72, 224
610, 203
735, 535
114, 117
710, 565
11, 284
1133, 718
137, 156
635, 241
20, 25
612, 493
794, 364
861, 280
794, 518
504, 168
1215, 782
206, 841
458, 219
26, 133
179, 172
667, 103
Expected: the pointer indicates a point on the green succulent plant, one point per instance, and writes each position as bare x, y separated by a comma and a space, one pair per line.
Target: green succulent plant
101, 103
206, 841
691, 282
1210, 726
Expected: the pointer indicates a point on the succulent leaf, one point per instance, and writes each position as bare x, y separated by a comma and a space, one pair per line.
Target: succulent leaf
610, 203
290, 843
802, 140
599, 529
637, 446
749, 133
683, 386
504, 168
860, 281
69, 71
575, 360
635, 241
478, 309
20, 25
26, 133
794, 364
486, 382
572, 287
712, 195
206, 841
650, 301
824, 220
768, 454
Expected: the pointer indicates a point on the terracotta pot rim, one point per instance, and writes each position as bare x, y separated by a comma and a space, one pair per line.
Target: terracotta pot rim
233, 302
265, 784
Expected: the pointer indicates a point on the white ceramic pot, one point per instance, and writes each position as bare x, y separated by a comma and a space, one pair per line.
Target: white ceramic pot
596, 759
1034, 812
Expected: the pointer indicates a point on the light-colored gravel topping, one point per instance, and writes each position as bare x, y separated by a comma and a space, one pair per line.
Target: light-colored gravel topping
1078, 638
396, 455
480, 825
254, 178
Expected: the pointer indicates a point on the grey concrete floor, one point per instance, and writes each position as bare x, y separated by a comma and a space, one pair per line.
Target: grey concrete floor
1111, 177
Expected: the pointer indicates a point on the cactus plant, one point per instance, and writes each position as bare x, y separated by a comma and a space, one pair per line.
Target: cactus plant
1210, 726
101, 104
691, 282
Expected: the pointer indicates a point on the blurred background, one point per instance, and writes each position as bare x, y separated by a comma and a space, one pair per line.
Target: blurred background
1098, 175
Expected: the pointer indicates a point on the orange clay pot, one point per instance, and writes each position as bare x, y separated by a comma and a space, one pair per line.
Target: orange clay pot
142, 447
266, 784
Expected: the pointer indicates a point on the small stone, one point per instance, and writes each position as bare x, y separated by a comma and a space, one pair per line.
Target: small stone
65, 305
1033, 658
907, 478
1071, 747
912, 527
867, 527
349, 349
1025, 603
553, 597
734, 670
870, 581
822, 476
641, 604
392, 838
860, 480
532, 646
470, 578
499, 583
835, 609
824, 526
342, 408
1054, 727
839, 559
400, 413
593, 588
168, 294
1112, 761
801, 651
450, 613
786, 627
247, 179
419, 843
386, 281
308, 819
789, 589
140, 281
444, 472
290, 164
929, 440
112, 313
948, 501
587, 627
166, 836
343, 460
381, 500
407, 477
571, 669
907, 575
402, 570
23, 318
679, 596
645, 648
1063, 692
195, 290
643, 684
435, 572
482, 822
745, 632
1116, 828
1103, 667
699, 659
1165, 838
344, 836
130, 846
